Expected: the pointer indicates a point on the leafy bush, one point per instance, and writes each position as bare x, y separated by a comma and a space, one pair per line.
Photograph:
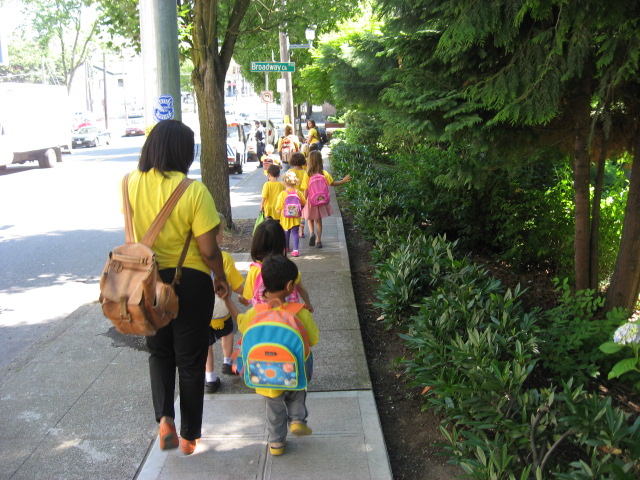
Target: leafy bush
573, 333
409, 273
474, 350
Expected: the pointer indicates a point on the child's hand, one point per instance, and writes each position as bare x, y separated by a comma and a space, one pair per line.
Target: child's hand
309, 307
244, 301
346, 178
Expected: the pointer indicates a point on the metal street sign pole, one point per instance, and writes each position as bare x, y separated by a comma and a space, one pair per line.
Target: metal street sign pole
266, 127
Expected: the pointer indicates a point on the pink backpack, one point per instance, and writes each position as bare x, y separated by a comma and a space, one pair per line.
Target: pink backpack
318, 190
292, 205
258, 289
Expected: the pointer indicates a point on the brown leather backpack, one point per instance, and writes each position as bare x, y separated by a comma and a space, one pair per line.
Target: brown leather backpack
132, 294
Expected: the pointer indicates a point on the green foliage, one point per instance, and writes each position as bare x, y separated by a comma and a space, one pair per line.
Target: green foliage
626, 340
474, 350
65, 29
612, 209
26, 62
410, 272
573, 333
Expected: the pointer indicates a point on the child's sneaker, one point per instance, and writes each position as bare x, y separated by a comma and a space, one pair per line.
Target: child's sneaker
295, 253
276, 448
300, 428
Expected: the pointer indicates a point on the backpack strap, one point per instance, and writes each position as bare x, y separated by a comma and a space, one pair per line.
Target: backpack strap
293, 307
157, 224
164, 213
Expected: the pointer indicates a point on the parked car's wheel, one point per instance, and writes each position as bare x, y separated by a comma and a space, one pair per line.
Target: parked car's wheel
238, 168
48, 159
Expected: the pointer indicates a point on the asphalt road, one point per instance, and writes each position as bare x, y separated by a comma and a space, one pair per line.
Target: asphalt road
56, 227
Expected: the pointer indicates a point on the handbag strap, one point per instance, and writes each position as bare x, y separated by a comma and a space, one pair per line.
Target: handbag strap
157, 224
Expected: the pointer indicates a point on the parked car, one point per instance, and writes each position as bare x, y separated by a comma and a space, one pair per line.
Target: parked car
236, 146
134, 127
90, 137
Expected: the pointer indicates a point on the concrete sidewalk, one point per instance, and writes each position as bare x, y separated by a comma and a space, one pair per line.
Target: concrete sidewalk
77, 405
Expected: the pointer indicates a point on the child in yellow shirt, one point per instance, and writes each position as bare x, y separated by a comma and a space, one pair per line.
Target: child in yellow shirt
298, 164
283, 406
289, 205
221, 326
270, 191
270, 158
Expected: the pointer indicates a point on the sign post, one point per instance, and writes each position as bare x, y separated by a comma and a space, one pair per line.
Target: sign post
267, 67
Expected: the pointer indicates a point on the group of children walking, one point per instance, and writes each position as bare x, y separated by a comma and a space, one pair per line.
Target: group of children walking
302, 194
274, 280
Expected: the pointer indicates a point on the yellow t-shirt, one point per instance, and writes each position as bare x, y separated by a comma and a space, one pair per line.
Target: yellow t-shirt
305, 180
313, 136
234, 277
286, 222
244, 320
300, 173
195, 211
270, 191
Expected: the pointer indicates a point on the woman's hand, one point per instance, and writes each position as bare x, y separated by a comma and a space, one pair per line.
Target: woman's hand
221, 287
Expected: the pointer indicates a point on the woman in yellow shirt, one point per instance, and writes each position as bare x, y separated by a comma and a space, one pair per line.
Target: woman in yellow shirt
164, 162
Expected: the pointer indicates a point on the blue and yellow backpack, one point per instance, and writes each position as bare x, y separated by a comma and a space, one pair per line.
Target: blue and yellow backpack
274, 348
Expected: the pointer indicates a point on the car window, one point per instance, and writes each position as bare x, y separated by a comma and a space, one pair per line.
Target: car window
232, 133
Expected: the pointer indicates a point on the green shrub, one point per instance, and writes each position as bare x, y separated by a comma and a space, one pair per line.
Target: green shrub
573, 333
410, 272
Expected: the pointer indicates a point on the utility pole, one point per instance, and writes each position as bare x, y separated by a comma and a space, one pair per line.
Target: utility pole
159, 40
287, 95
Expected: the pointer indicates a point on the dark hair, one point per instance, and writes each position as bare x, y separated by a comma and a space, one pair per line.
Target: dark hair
313, 147
268, 239
169, 147
288, 129
274, 171
297, 159
313, 123
277, 271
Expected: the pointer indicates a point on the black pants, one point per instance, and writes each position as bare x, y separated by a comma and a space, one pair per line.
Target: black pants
183, 344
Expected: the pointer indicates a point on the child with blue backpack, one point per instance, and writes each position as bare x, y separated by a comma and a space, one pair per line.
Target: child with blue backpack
285, 407
269, 239
316, 185
289, 205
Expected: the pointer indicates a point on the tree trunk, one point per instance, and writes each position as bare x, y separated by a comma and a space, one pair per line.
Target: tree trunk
581, 164
211, 61
213, 132
625, 282
595, 216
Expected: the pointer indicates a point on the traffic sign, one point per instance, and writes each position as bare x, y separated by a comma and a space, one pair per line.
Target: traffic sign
277, 67
266, 96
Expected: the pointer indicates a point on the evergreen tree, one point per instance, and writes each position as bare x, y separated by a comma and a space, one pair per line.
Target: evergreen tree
517, 75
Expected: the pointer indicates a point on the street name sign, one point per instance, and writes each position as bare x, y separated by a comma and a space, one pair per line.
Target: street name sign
268, 67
